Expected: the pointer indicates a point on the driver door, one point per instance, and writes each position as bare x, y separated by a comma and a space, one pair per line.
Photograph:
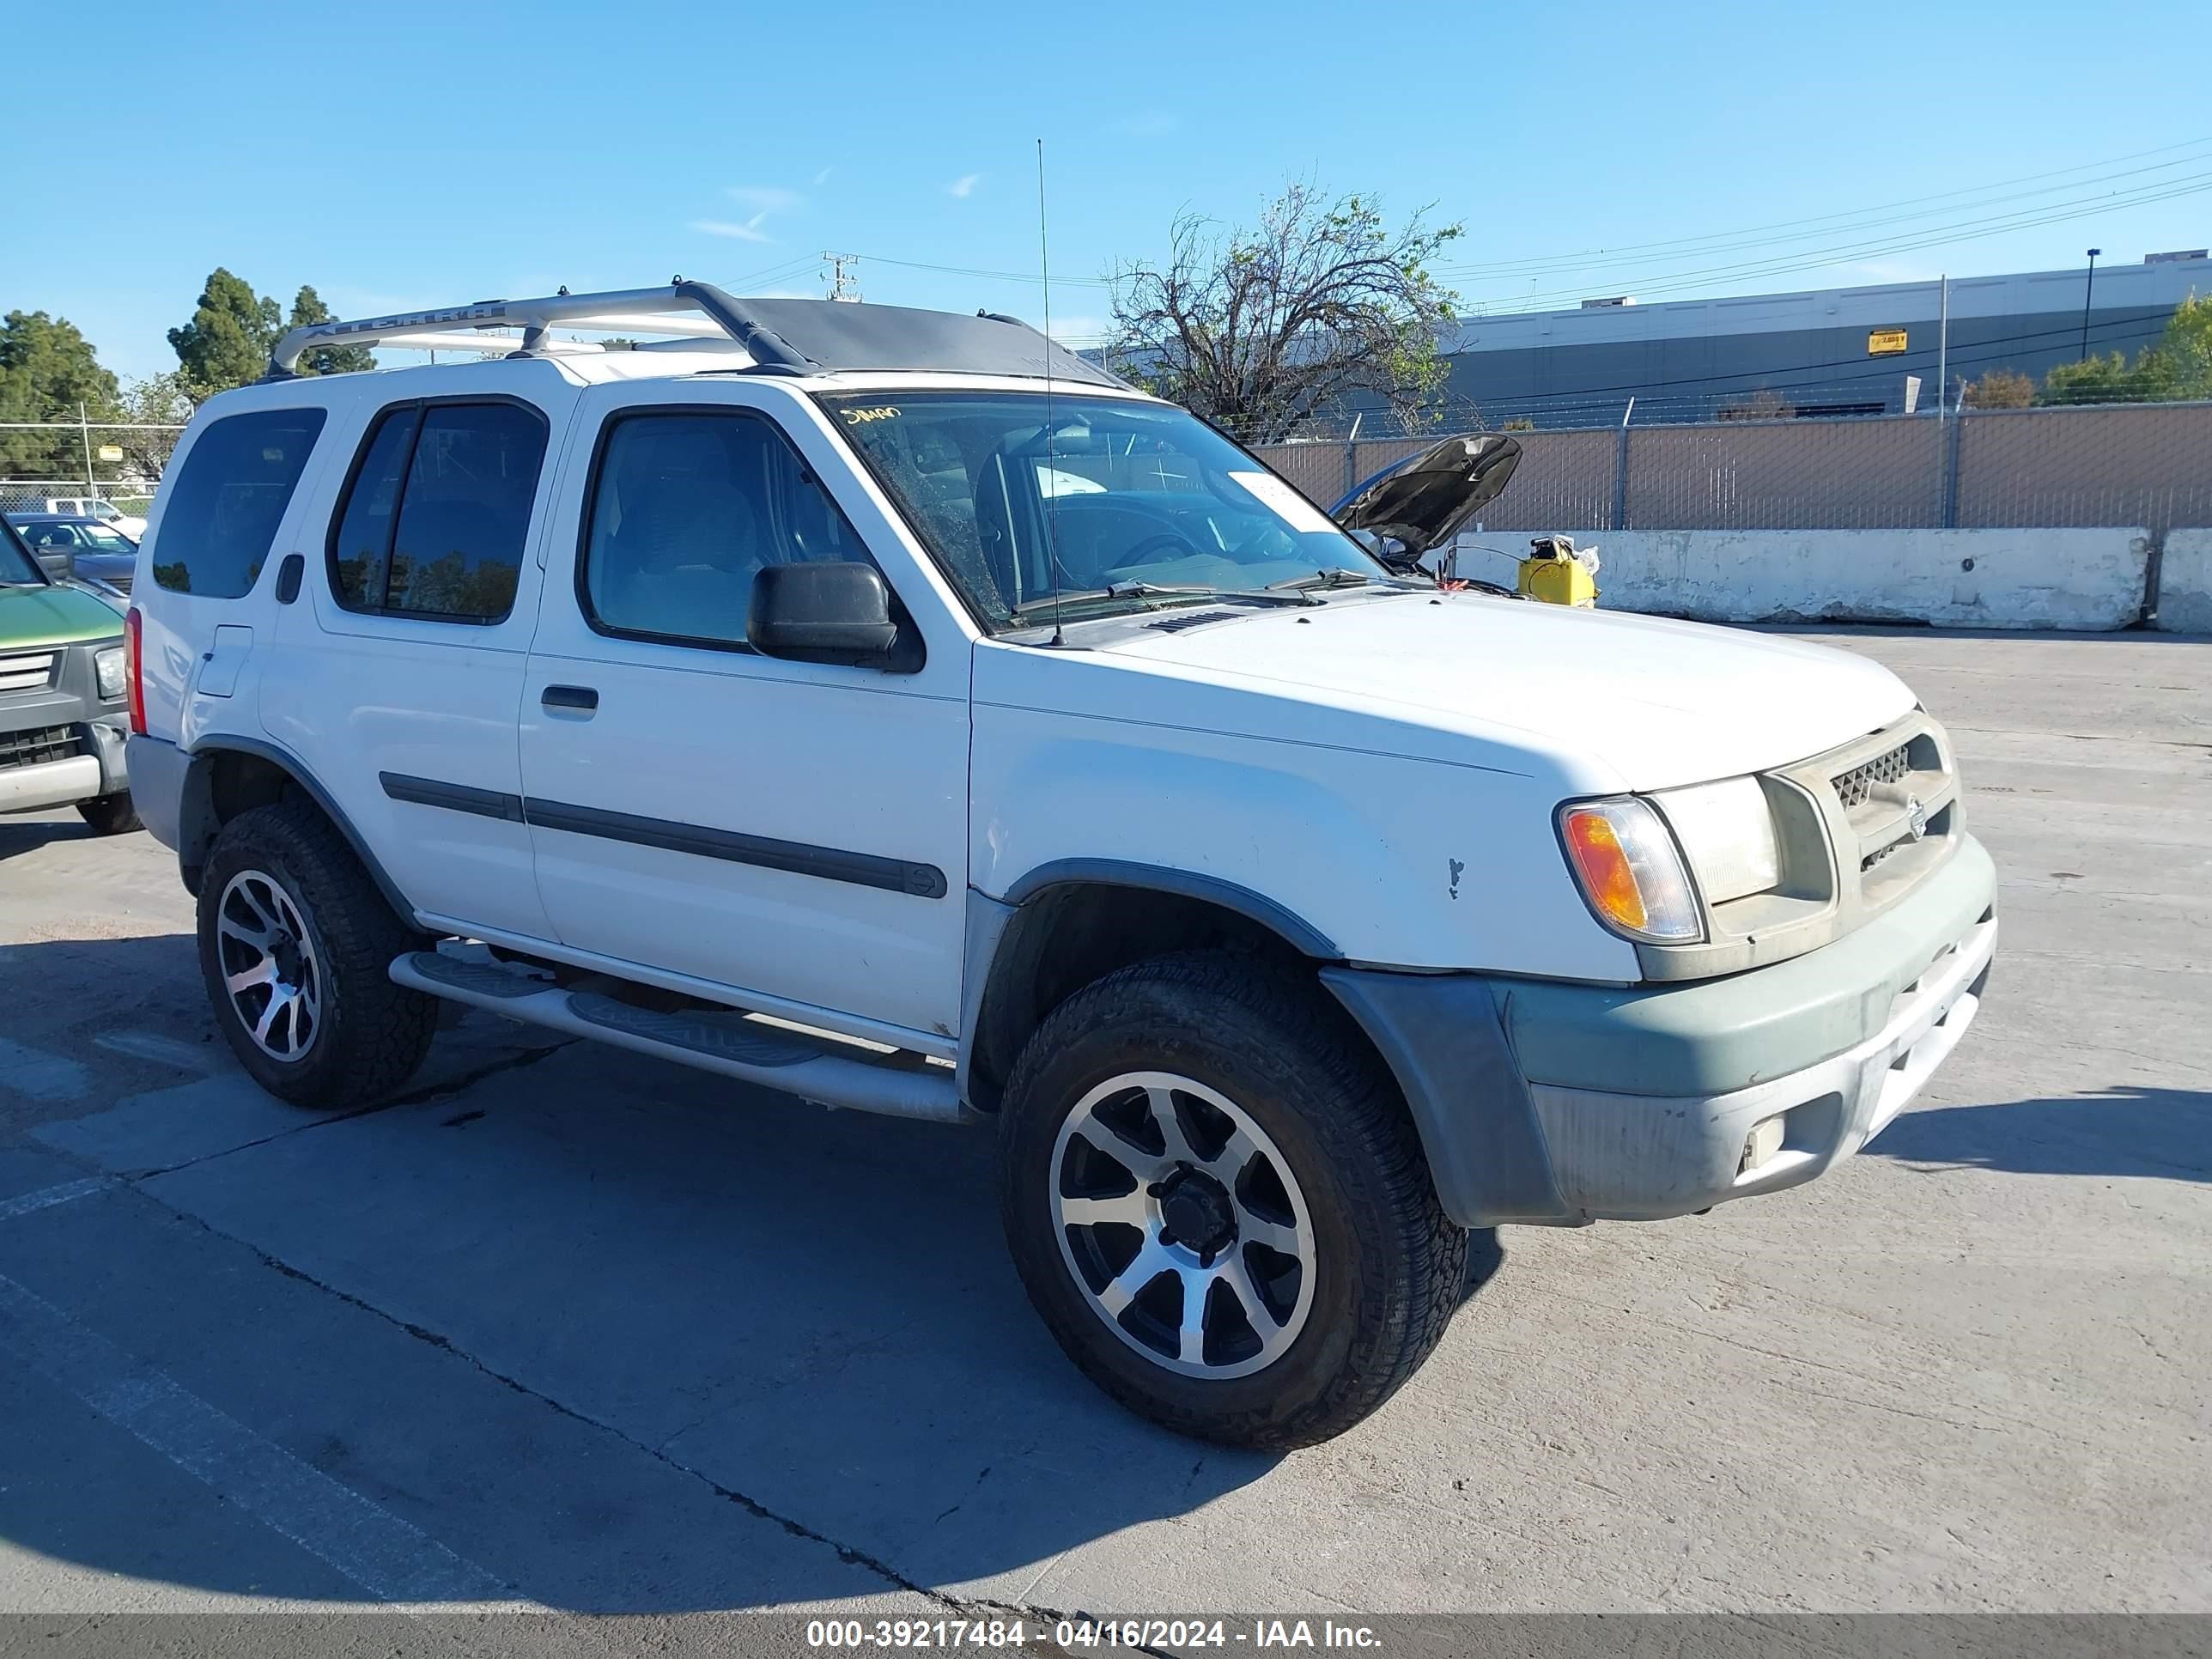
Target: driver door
791, 834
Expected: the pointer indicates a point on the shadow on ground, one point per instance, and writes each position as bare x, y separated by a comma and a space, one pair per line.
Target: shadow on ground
2114, 1132
588, 1320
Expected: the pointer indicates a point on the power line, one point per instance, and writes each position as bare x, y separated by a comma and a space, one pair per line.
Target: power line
1998, 225
1591, 257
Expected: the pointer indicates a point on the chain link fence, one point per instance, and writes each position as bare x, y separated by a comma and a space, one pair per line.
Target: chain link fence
82, 461
2124, 463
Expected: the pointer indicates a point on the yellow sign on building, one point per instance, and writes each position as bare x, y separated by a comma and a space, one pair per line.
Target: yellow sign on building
111, 451
1884, 342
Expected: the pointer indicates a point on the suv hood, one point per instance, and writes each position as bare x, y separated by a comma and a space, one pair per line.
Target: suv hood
54, 615
1423, 498
1657, 703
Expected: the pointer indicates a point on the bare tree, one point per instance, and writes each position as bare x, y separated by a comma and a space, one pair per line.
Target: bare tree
1262, 330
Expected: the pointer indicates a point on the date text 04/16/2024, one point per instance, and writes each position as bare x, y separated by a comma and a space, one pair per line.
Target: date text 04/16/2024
1079, 1635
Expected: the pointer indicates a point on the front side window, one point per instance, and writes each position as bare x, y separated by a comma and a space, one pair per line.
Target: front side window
226, 503
437, 516
1135, 497
687, 507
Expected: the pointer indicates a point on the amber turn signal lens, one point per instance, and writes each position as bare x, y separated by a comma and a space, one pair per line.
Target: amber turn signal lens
1603, 866
1631, 870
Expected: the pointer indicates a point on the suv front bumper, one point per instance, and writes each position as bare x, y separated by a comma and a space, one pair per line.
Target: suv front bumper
93, 765
1538, 1100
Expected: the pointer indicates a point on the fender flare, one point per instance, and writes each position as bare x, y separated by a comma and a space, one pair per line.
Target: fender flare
197, 827
1293, 929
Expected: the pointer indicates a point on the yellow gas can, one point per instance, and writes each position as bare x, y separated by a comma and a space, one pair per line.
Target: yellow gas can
1552, 574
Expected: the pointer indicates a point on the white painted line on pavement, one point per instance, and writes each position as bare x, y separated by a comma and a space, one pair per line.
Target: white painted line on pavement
42, 1076
391, 1558
46, 1197
168, 1050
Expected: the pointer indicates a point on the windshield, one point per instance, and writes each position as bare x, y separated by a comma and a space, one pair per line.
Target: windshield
16, 564
101, 539
1138, 498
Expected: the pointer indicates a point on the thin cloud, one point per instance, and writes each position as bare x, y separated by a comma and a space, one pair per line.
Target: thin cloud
765, 198
747, 230
965, 186
821, 178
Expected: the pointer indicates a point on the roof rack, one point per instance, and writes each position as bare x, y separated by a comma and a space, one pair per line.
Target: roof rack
781, 336
635, 311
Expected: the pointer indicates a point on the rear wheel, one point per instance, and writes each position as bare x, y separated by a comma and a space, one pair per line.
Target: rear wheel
109, 815
1218, 1206
296, 942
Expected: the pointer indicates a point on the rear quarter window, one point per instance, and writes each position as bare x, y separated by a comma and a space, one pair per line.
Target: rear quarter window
228, 498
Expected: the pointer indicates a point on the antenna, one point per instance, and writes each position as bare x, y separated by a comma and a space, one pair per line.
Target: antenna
1052, 490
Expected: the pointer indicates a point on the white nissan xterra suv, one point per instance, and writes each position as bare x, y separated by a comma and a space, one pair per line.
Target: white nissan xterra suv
893, 709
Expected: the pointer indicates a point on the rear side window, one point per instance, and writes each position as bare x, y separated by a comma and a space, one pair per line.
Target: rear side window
226, 500
435, 519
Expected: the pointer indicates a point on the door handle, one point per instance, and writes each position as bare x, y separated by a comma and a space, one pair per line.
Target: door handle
582, 697
288, 577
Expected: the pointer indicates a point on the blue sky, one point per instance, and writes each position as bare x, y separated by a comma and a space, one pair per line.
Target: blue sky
410, 155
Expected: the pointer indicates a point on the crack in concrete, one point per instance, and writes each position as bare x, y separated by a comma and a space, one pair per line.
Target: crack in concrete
428, 1093
849, 1554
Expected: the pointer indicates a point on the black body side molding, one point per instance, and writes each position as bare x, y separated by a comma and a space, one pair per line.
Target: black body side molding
800, 857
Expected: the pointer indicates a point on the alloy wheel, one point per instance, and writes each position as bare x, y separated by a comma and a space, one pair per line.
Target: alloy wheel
269, 969
1183, 1225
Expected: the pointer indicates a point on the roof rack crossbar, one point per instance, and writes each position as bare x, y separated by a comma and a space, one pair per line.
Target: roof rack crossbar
621, 307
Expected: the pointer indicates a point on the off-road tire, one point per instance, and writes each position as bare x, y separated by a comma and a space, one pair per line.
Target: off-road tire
1390, 1263
373, 1034
109, 815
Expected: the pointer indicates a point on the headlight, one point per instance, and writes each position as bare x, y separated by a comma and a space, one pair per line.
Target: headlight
1727, 829
107, 672
1630, 870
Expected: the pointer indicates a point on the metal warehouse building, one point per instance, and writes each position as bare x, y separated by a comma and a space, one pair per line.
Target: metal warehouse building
1838, 351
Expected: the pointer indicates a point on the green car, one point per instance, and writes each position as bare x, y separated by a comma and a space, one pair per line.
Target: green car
63, 695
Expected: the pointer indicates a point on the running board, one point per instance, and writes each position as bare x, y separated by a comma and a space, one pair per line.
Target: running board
727, 1043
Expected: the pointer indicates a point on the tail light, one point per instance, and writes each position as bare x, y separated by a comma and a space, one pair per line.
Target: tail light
135, 676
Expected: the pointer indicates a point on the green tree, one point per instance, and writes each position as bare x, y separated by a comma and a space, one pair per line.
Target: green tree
46, 370
1260, 330
308, 308
227, 341
2179, 366
2186, 347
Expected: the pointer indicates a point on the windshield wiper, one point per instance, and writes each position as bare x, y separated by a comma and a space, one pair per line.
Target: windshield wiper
1333, 578
1158, 590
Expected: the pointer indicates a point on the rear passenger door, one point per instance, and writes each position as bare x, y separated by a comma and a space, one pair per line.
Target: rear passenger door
401, 656
796, 832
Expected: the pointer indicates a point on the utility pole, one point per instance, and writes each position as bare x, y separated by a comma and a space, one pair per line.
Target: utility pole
2088, 287
842, 283
1942, 344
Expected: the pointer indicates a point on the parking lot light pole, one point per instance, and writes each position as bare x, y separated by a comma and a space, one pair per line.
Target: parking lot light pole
2088, 287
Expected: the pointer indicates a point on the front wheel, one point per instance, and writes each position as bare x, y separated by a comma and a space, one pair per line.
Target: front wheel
1218, 1205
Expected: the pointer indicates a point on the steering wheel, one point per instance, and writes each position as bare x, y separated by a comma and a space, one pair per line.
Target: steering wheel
1167, 538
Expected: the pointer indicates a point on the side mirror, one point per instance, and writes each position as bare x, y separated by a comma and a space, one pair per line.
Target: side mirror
836, 613
58, 564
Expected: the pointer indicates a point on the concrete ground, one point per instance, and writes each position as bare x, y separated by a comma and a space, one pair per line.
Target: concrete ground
569, 1329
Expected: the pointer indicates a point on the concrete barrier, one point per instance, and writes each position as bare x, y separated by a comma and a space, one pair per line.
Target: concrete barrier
2088, 578
2184, 583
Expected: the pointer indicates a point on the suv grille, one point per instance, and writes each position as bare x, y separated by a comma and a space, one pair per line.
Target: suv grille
37, 746
1856, 788
31, 673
